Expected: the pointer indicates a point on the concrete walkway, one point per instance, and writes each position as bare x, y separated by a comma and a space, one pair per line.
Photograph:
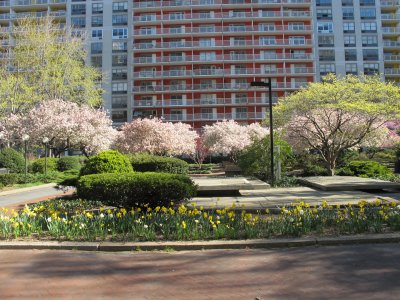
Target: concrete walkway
334, 272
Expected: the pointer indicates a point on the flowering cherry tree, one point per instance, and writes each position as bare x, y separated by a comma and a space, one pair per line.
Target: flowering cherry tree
229, 137
65, 124
153, 136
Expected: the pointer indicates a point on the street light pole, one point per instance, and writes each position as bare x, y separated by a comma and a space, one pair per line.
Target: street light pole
45, 142
271, 128
25, 138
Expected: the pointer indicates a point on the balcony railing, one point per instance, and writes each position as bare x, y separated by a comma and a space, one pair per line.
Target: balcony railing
225, 72
391, 44
221, 58
389, 57
390, 3
177, 3
214, 117
394, 30
4, 3
390, 17
392, 71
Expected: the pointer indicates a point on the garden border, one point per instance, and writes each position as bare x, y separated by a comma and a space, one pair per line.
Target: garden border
202, 245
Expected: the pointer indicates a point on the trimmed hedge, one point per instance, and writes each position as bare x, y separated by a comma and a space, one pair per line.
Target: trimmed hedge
8, 179
153, 163
67, 163
12, 160
109, 161
136, 189
38, 165
362, 168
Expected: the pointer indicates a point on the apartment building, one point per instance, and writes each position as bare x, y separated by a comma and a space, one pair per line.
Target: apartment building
193, 60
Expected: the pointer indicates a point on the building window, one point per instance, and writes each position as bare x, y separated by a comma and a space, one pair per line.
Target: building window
78, 9
78, 22
324, 14
324, 2
326, 41
97, 8
120, 6
120, 33
348, 13
206, 42
119, 116
241, 113
120, 20
349, 40
148, 17
369, 40
351, 69
119, 46
97, 21
370, 54
96, 48
97, 34
368, 27
119, 74
349, 27
368, 13
208, 56
119, 60
119, 88
367, 2
347, 2
325, 27
371, 69
96, 61
267, 40
119, 102
350, 54
326, 55
297, 40
176, 16
326, 69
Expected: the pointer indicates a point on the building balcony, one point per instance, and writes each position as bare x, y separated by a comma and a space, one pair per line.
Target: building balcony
391, 44
223, 72
214, 117
391, 58
4, 3
390, 18
145, 5
391, 31
390, 3
392, 72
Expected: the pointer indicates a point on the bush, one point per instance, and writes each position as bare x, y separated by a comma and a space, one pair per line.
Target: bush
8, 179
362, 168
69, 163
109, 161
256, 160
136, 189
310, 164
38, 165
12, 160
153, 163
51, 176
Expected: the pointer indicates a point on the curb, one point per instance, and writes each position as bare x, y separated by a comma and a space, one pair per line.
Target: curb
202, 245
27, 189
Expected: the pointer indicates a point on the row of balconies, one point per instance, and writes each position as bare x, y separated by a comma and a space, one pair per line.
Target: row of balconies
390, 3
146, 32
221, 72
31, 2
39, 14
221, 58
210, 87
389, 57
391, 44
189, 3
394, 71
390, 17
391, 30
203, 102
220, 16
214, 117
225, 43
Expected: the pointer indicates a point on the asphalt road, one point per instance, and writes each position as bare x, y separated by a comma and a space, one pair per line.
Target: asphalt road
335, 272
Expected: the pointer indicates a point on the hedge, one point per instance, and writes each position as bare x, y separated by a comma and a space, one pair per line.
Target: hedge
38, 165
12, 160
362, 168
136, 189
8, 179
153, 163
109, 161
67, 163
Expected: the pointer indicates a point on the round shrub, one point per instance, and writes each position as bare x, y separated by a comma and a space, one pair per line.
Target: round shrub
38, 165
67, 163
362, 168
109, 161
12, 160
153, 163
136, 189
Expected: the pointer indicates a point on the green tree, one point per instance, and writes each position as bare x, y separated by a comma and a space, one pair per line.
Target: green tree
46, 62
338, 114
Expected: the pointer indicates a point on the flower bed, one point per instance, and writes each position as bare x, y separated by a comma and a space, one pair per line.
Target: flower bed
64, 222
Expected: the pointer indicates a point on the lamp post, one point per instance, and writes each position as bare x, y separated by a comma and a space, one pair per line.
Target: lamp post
25, 138
271, 129
45, 142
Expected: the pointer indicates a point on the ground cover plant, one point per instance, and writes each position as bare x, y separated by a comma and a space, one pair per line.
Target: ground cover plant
62, 220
